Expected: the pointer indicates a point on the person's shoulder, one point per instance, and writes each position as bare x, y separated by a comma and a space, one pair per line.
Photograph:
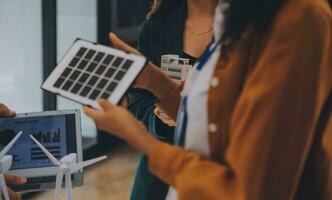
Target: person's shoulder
319, 9
165, 21
149, 27
151, 23
315, 13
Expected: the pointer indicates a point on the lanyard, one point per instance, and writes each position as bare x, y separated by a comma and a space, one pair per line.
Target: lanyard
180, 129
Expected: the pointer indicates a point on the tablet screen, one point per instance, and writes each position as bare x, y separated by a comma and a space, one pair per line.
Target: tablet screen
50, 131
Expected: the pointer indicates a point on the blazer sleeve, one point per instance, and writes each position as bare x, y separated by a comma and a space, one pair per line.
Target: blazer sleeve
273, 121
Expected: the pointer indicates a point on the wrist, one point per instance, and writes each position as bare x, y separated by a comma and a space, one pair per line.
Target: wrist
161, 90
144, 141
150, 145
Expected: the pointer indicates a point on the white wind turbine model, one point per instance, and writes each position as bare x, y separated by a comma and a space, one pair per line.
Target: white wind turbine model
67, 166
5, 164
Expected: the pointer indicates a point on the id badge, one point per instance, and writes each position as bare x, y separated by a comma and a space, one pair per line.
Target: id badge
175, 67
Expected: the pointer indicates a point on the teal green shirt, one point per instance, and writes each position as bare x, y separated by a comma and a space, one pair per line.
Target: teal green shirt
158, 36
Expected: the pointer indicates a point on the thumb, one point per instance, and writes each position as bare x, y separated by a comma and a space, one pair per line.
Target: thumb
92, 113
119, 44
15, 180
5, 111
105, 105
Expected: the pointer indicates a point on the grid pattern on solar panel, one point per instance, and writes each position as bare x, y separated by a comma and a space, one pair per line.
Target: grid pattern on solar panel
93, 74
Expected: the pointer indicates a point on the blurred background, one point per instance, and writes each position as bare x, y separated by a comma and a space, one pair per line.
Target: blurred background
34, 36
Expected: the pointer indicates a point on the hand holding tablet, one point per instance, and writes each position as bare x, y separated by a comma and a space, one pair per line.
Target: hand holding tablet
87, 72
90, 71
151, 75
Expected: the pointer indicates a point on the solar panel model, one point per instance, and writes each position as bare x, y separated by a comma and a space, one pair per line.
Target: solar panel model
90, 71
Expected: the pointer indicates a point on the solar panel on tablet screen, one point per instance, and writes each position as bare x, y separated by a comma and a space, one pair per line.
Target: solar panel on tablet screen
93, 74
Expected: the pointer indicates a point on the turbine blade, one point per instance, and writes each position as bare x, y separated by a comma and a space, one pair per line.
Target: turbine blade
10, 145
4, 187
48, 154
77, 166
58, 185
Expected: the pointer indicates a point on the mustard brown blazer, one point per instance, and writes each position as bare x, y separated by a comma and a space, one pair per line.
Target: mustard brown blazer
263, 112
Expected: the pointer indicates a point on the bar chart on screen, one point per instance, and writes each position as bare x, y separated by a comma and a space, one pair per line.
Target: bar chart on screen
50, 131
48, 137
51, 140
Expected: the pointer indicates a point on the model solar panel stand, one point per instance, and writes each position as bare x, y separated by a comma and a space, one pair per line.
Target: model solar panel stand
5, 164
90, 71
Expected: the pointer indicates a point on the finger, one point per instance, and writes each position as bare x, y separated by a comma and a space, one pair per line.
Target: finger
118, 43
15, 180
124, 102
14, 195
105, 105
5, 111
157, 112
92, 113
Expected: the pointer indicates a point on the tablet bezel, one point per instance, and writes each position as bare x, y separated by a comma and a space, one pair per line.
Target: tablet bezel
51, 171
138, 65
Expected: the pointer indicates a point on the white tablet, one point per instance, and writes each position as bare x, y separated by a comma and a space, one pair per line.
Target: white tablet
90, 71
58, 131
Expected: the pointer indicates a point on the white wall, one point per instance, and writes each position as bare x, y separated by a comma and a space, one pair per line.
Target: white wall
76, 19
21, 50
21, 54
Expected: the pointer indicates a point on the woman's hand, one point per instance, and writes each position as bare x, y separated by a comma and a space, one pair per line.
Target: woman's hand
118, 121
152, 78
164, 117
12, 181
5, 111
114, 119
